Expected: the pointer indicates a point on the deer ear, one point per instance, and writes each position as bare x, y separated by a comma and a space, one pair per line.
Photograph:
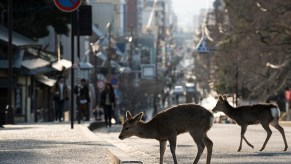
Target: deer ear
138, 117
225, 97
220, 98
128, 115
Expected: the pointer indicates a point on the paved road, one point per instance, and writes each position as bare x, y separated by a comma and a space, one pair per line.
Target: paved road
226, 141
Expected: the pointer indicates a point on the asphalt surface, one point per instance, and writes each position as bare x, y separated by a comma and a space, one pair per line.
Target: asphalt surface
57, 143
226, 141
52, 143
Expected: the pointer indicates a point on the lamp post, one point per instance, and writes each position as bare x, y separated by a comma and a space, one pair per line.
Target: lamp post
95, 49
109, 51
130, 40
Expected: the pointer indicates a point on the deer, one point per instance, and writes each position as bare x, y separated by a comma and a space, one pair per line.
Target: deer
168, 124
264, 114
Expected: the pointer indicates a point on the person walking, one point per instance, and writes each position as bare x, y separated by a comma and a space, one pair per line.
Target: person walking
107, 102
83, 100
60, 91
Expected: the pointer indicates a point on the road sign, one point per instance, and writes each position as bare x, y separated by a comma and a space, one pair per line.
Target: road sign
100, 84
114, 81
202, 46
67, 5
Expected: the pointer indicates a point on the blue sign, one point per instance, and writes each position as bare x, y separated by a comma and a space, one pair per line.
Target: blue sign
202, 46
67, 5
114, 81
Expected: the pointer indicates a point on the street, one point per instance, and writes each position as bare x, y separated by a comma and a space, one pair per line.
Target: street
226, 141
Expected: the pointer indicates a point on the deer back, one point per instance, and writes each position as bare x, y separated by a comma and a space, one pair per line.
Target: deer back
183, 115
254, 114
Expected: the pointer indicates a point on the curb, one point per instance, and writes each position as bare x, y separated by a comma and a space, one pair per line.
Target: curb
117, 156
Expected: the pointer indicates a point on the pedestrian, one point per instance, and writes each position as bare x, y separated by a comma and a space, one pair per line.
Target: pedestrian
107, 102
83, 100
60, 91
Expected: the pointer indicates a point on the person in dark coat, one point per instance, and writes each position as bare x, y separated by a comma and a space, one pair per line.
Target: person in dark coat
60, 91
107, 102
83, 100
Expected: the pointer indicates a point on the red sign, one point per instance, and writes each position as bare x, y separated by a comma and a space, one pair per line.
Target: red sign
67, 5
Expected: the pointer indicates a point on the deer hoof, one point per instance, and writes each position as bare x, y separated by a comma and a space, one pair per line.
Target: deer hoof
286, 148
252, 146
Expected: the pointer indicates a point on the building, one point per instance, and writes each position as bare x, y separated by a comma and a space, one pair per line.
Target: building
33, 76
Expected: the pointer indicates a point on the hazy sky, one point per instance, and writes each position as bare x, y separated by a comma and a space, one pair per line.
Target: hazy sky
185, 9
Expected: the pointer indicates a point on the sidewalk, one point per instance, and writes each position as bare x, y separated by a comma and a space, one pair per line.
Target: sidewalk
55, 143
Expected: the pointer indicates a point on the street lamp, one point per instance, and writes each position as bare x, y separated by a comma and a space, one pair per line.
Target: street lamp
130, 40
95, 49
109, 51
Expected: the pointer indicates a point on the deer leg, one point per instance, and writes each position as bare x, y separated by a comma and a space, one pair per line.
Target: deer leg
200, 146
163, 145
242, 134
248, 142
276, 125
209, 145
173, 143
269, 133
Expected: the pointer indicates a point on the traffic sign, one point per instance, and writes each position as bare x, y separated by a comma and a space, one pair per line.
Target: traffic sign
202, 46
114, 81
67, 5
100, 84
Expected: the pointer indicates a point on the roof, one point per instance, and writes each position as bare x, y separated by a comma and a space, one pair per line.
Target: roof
18, 40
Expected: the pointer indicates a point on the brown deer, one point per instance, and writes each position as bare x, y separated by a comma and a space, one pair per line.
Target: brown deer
167, 124
263, 114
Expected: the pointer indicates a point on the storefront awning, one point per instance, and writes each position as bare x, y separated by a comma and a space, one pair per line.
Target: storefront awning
45, 80
62, 64
35, 63
17, 39
85, 65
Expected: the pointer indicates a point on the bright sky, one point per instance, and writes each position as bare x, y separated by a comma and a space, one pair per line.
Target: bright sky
185, 9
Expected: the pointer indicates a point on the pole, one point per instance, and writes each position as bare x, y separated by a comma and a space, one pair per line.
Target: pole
131, 46
9, 115
73, 14
156, 71
109, 51
78, 54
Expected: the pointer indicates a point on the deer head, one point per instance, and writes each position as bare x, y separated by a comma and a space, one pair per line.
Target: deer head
130, 125
221, 103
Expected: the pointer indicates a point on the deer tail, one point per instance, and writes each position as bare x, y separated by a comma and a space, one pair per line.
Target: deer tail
275, 112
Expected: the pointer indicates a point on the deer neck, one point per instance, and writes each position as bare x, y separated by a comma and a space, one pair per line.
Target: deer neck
230, 111
146, 130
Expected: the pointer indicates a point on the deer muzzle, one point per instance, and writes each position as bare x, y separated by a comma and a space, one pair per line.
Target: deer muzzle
121, 137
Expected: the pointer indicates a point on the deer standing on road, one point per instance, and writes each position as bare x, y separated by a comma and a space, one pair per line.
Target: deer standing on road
264, 114
167, 124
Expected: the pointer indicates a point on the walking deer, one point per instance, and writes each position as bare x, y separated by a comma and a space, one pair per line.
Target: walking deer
167, 124
264, 114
